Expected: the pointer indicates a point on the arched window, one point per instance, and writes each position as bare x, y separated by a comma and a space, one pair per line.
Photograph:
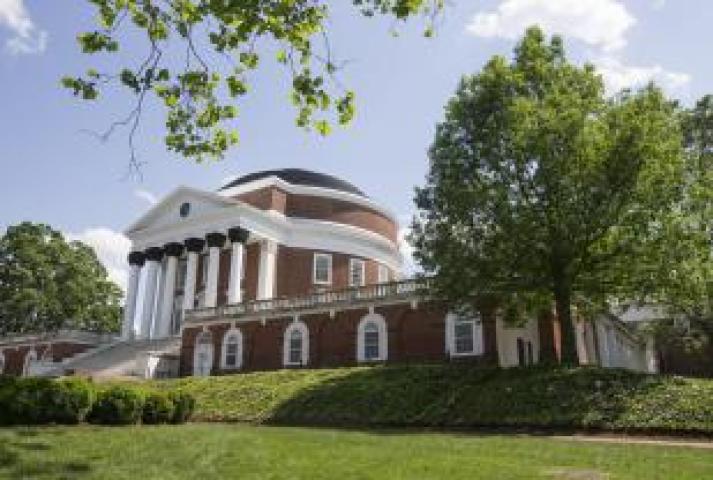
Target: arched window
30, 359
464, 335
372, 341
232, 349
203, 354
296, 345
2, 362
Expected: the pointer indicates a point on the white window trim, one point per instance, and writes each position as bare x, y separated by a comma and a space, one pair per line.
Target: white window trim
196, 351
315, 280
30, 359
451, 319
304, 356
383, 273
383, 338
352, 262
224, 350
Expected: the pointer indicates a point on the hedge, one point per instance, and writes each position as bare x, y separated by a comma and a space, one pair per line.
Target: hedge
458, 396
39, 401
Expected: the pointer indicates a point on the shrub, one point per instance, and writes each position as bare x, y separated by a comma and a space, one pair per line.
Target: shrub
184, 405
158, 408
8, 388
69, 401
30, 401
118, 405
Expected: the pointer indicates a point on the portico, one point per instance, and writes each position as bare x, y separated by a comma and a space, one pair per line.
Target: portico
169, 276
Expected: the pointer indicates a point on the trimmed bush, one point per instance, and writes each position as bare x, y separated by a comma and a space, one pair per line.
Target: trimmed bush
158, 408
184, 406
68, 401
30, 402
8, 389
117, 405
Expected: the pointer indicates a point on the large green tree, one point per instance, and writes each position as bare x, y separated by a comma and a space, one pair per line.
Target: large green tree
542, 190
47, 283
199, 55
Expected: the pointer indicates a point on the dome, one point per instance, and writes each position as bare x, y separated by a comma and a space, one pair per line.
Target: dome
298, 176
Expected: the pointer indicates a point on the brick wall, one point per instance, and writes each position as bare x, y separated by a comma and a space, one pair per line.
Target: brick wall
320, 208
414, 335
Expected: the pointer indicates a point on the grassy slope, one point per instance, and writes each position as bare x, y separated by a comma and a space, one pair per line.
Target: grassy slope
232, 451
457, 396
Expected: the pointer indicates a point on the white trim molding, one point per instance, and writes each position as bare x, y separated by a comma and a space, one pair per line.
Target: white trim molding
28, 362
235, 336
203, 354
271, 225
295, 327
370, 321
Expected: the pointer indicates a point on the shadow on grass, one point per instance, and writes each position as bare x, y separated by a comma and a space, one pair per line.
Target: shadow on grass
20, 458
461, 397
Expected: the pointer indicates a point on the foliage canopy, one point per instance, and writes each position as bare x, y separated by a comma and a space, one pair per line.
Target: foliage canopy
47, 283
200, 54
542, 190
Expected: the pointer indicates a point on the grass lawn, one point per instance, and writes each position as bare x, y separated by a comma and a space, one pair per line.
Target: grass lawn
225, 451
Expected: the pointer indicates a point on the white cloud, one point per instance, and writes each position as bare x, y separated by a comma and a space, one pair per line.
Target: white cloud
112, 249
617, 75
600, 23
27, 37
603, 25
146, 196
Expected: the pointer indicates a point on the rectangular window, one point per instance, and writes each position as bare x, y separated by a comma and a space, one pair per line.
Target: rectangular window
356, 272
463, 335
371, 345
231, 354
296, 350
322, 271
383, 274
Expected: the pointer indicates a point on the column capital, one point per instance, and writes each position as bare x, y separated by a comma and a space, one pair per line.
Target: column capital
154, 253
238, 234
215, 239
137, 258
173, 249
194, 244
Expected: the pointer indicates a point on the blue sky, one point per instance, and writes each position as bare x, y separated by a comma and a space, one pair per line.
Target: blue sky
54, 173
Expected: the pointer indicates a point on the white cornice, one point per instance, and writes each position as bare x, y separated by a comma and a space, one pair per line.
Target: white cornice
294, 189
269, 224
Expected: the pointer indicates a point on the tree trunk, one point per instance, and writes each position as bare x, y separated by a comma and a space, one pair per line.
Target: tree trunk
563, 306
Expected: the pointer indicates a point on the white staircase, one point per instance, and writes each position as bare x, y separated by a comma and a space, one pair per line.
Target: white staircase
119, 359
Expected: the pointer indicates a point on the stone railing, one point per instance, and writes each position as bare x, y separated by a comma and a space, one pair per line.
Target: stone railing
326, 300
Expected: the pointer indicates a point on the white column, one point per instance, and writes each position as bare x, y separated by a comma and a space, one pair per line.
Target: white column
189, 291
236, 270
215, 242
152, 267
211, 283
238, 236
127, 330
163, 324
266, 273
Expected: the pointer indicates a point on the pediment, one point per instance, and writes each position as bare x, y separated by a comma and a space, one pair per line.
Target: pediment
183, 205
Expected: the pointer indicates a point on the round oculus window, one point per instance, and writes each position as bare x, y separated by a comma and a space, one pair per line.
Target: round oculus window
185, 209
